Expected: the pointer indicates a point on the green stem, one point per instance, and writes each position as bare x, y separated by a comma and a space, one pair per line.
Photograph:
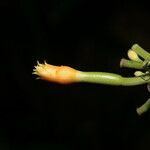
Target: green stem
141, 52
142, 109
131, 64
111, 79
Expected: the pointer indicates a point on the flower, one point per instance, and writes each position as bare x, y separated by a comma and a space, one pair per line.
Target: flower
58, 74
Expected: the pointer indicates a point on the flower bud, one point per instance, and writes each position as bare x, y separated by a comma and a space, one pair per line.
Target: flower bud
133, 56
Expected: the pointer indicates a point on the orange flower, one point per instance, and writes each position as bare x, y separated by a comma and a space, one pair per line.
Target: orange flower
59, 74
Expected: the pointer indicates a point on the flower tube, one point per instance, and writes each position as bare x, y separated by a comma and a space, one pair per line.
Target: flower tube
67, 75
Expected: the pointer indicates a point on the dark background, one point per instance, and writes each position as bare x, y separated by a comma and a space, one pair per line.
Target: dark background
86, 35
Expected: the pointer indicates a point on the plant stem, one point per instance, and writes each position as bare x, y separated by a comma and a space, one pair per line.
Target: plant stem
131, 64
110, 79
141, 52
144, 107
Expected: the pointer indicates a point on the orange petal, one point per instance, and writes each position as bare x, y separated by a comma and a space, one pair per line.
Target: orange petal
59, 74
